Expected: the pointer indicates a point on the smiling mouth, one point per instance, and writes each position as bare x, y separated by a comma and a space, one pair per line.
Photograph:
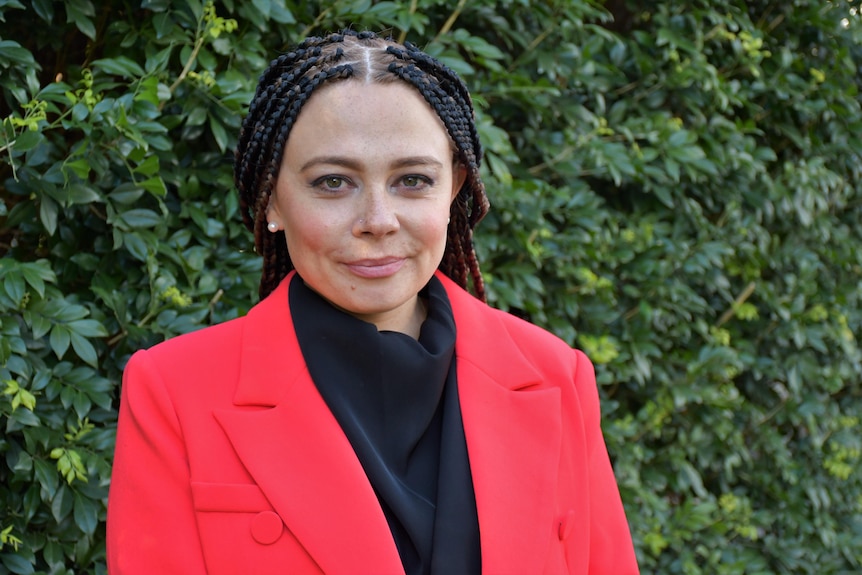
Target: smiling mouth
374, 269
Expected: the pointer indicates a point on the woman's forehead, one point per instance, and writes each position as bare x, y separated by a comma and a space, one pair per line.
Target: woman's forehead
356, 118
370, 105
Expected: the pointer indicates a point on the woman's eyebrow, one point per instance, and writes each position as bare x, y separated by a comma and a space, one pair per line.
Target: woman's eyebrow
331, 161
352, 164
417, 161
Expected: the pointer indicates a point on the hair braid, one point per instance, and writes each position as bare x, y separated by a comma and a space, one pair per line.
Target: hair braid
285, 87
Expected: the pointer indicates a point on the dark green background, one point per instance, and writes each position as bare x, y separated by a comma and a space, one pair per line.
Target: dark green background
675, 189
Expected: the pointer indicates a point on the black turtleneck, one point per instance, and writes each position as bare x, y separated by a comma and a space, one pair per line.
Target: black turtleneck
396, 400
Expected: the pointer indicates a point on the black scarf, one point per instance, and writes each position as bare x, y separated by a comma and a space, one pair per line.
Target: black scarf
396, 400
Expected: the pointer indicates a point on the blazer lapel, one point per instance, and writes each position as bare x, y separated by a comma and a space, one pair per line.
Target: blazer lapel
297, 453
513, 432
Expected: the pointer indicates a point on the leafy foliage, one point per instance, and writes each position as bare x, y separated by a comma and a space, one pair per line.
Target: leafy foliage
676, 190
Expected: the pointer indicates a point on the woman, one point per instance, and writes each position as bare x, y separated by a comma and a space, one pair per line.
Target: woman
369, 415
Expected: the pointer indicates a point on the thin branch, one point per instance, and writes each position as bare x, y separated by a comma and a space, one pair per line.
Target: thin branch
740, 299
200, 38
188, 67
450, 21
403, 36
317, 21
117, 338
532, 46
97, 213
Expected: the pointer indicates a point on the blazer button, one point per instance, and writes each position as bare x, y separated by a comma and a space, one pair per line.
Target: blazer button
266, 527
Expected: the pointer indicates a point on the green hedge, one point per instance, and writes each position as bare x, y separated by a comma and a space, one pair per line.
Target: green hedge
676, 190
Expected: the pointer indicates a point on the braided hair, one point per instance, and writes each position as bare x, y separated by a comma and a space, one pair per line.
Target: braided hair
287, 85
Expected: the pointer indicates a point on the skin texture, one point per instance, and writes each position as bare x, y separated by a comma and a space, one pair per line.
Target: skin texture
363, 197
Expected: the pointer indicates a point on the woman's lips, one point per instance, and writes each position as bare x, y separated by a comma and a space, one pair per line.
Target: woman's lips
373, 269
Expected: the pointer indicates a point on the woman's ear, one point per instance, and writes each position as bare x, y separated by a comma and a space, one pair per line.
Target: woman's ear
273, 218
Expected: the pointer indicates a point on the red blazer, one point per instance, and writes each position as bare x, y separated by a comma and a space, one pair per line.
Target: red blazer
229, 461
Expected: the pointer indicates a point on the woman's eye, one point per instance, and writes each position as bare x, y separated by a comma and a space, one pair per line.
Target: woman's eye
329, 183
415, 181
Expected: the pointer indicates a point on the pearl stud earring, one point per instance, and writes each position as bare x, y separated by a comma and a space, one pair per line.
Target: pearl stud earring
272, 227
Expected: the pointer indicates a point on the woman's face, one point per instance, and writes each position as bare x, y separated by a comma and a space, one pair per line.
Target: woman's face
363, 196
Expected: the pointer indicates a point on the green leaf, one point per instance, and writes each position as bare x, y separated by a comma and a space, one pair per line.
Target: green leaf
136, 245
48, 213
46, 475
39, 324
26, 141
263, 6
163, 24
88, 328
61, 504
692, 478
138, 218
34, 279
480, 46
280, 13
154, 185
21, 418
82, 405
687, 154
85, 513
156, 5
127, 193
14, 286
83, 348
80, 12
24, 463
17, 564
219, 133
81, 167
45, 9
120, 66
80, 193
59, 340
149, 166
679, 139
13, 52
664, 195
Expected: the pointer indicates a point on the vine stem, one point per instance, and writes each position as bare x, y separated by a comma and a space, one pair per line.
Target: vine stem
403, 36
731, 311
199, 43
317, 21
451, 20
189, 63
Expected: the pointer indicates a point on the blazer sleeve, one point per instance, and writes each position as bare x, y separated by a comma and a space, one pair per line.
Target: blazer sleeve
611, 548
151, 525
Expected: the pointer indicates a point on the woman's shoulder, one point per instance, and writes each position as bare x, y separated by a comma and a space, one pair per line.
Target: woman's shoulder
206, 343
539, 346
499, 330
213, 357
482, 316
226, 338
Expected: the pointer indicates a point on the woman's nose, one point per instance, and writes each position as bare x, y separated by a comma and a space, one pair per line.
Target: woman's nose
378, 215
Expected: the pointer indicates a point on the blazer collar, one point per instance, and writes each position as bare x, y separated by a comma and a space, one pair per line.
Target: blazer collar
317, 485
512, 423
